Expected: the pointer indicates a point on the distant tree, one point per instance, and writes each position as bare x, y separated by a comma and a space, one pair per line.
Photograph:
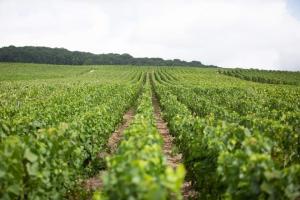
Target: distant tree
47, 55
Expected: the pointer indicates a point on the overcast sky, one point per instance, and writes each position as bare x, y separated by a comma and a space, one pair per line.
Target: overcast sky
229, 33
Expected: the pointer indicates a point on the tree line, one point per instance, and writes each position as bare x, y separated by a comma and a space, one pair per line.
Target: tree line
46, 55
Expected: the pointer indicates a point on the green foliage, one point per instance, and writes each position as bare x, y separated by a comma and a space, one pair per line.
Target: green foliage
138, 170
52, 136
239, 139
42, 167
263, 76
231, 149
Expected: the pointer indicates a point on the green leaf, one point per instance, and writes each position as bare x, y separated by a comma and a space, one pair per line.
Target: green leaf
32, 168
30, 156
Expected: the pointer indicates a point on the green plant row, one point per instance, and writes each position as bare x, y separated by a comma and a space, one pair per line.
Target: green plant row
48, 163
138, 170
263, 76
226, 160
30, 112
274, 112
280, 125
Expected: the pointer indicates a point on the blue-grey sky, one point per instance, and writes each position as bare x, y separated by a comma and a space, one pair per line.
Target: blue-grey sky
229, 33
294, 8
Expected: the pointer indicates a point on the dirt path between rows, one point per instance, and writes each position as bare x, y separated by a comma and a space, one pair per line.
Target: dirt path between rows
115, 138
95, 182
173, 159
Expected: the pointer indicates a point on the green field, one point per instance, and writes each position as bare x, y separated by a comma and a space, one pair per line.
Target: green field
238, 132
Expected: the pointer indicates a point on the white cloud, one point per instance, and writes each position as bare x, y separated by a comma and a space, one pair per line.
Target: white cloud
256, 33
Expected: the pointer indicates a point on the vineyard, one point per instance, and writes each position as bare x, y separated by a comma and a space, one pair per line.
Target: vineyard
263, 76
228, 134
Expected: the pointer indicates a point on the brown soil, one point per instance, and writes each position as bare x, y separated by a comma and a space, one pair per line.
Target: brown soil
115, 138
95, 182
173, 159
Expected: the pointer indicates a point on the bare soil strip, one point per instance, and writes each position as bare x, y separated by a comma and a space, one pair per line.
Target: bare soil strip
95, 182
173, 159
115, 138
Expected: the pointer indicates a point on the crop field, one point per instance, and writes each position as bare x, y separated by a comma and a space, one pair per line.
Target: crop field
128, 132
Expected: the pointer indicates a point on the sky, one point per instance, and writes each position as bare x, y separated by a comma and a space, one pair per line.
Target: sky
261, 34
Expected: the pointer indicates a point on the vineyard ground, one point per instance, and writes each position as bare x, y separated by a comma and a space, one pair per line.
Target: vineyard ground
224, 132
173, 158
95, 182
